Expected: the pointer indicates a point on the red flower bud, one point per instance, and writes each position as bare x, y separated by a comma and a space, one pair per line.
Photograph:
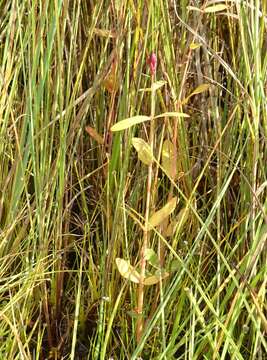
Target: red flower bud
152, 62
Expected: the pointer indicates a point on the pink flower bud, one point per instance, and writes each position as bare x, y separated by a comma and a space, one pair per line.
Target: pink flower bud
152, 62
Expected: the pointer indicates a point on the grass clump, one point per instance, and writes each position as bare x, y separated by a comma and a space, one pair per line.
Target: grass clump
143, 238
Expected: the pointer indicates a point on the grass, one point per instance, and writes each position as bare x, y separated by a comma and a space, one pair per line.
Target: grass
75, 195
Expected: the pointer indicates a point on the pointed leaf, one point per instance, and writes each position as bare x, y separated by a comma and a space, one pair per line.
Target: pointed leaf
158, 84
127, 270
155, 86
127, 123
151, 280
159, 216
154, 279
143, 150
194, 8
168, 159
209, 9
200, 89
172, 114
215, 8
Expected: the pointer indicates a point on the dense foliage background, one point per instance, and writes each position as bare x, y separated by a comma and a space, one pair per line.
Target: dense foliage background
75, 195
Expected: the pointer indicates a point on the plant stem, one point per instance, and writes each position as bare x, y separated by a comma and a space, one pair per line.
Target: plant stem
140, 300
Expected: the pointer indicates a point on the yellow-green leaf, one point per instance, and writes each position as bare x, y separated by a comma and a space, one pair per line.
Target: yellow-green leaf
127, 270
215, 8
154, 279
158, 84
143, 150
209, 9
168, 159
200, 89
152, 258
194, 46
155, 86
171, 114
127, 123
193, 8
159, 216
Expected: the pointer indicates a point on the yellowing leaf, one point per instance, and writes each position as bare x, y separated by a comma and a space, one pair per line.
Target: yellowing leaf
209, 9
155, 86
127, 123
158, 84
94, 134
194, 8
168, 159
154, 279
105, 33
127, 270
143, 150
171, 114
159, 216
200, 89
215, 8
194, 46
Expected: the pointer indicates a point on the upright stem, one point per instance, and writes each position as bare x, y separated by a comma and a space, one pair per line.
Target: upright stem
145, 245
